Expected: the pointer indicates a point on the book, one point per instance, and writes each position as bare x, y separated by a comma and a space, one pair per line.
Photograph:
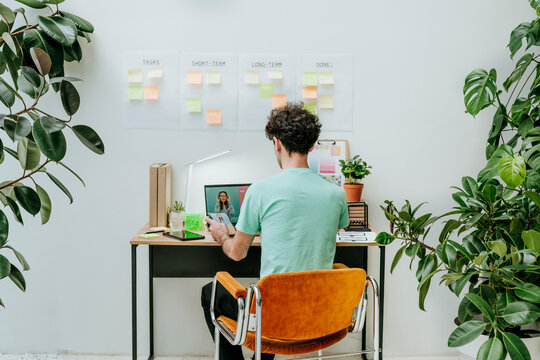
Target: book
163, 193
153, 194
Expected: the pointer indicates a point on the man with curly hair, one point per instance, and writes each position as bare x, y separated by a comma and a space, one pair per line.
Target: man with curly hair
296, 212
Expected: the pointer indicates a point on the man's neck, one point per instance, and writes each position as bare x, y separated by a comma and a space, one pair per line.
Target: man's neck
294, 161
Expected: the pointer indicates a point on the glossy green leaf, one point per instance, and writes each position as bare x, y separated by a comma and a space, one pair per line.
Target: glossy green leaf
89, 138
528, 292
465, 333
62, 30
29, 154
6, 36
5, 267
51, 125
37, 39
521, 67
73, 172
28, 199
492, 349
81, 23
70, 97
520, 313
17, 127
4, 228
6, 95
460, 284
41, 59
27, 88
20, 257
481, 305
61, 186
36, 4
62, 78
15, 209
425, 267
517, 36
2, 304
531, 239
512, 170
46, 207
53, 145
17, 277
479, 90
535, 197
31, 75
73, 52
384, 238
498, 247
515, 347
396, 259
423, 290
7, 14
491, 170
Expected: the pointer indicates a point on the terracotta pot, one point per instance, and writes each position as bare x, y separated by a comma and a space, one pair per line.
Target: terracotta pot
353, 191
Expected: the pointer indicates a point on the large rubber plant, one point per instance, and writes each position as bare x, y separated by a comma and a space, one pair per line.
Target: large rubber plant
32, 58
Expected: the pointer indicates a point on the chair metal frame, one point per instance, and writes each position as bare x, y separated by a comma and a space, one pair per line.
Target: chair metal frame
249, 322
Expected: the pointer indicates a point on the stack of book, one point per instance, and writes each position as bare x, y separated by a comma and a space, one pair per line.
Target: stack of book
160, 193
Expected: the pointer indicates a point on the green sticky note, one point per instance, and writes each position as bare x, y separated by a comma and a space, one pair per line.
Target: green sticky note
266, 90
194, 105
309, 79
194, 221
311, 107
135, 92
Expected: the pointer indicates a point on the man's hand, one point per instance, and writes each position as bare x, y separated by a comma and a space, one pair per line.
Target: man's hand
219, 231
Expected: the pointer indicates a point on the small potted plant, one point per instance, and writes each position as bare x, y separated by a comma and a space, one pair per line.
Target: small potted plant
176, 216
354, 171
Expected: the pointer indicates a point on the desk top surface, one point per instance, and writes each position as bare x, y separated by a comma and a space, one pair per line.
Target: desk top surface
207, 241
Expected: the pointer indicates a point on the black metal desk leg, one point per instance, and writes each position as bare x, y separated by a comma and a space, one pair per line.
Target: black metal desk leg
381, 297
134, 301
151, 298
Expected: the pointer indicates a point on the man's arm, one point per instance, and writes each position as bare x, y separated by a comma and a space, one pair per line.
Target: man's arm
236, 247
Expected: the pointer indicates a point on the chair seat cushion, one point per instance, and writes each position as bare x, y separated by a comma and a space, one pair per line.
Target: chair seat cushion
286, 347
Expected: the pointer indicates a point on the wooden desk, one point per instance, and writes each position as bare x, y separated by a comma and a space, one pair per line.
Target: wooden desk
203, 258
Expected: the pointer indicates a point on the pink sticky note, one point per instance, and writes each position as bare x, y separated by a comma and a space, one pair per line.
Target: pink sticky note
336, 151
309, 93
213, 117
151, 92
194, 77
279, 100
327, 167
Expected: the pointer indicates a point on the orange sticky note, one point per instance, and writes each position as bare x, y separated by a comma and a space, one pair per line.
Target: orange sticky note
279, 100
151, 92
194, 77
336, 151
309, 93
213, 117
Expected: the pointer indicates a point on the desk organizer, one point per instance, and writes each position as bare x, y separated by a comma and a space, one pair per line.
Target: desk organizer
358, 216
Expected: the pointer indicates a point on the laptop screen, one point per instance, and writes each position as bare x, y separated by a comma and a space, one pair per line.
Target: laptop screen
225, 199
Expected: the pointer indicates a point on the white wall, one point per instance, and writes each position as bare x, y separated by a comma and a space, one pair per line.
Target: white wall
410, 62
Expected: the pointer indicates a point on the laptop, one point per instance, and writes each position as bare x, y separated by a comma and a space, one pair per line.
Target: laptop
225, 199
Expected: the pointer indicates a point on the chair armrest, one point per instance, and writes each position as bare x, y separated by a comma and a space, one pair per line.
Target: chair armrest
340, 266
230, 283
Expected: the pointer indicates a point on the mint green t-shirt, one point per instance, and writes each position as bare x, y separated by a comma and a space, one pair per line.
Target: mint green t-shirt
297, 214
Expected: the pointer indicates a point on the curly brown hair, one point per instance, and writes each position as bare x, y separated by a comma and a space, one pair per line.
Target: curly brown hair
295, 127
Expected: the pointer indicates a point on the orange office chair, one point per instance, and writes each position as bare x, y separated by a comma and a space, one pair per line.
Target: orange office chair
297, 313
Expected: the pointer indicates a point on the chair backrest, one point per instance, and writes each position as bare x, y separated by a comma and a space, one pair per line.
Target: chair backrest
309, 304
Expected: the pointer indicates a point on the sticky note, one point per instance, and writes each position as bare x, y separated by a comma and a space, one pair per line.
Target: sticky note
194, 105
134, 75
135, 92
311, 107
151, 92
309, 79
327, 167
279, 100
266, 90
326, 101
309, 93
213, 77
326, 78
251, 77
213, 117
336, 151
275, 74
194, 77
155, 73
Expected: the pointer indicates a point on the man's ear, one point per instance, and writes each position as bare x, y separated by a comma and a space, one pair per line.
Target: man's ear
277, 144
312, 147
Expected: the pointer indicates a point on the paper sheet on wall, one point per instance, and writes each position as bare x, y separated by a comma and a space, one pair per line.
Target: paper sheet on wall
324, 159
332, 76
150, 90
208, 88
265, 81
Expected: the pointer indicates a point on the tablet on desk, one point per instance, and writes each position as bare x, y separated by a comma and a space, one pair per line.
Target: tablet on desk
184, 235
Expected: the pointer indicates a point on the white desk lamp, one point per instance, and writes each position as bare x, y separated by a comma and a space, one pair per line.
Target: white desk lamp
190, 171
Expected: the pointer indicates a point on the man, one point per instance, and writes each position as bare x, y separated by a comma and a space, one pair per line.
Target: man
297, 214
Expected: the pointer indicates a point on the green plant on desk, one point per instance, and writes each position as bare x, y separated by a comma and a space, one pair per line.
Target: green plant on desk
32, 61
354, 169
488, 252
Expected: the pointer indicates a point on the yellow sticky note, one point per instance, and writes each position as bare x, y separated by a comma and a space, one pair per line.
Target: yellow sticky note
275, 74
266, 90
309, 93
155, 73
134, 75
194, 77
135, 92
279, 100
326, 101
326, 78
336, 151
251, 77
213, 117
194, 105
311, 107
309, 79
151, 92
213, 77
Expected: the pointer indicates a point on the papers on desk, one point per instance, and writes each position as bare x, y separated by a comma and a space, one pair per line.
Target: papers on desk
356, 237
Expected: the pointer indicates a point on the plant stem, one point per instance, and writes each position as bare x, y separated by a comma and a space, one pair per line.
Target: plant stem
26, 176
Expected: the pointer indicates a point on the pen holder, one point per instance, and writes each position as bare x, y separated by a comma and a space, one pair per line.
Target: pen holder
194, 222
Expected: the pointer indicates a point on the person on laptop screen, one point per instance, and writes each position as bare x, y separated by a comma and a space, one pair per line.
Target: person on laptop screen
296, 212
224, 204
